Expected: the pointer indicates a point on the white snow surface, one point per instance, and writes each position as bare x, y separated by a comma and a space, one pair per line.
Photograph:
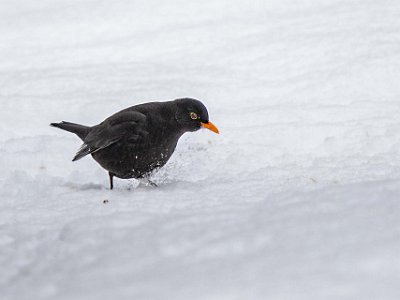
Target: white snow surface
297, 198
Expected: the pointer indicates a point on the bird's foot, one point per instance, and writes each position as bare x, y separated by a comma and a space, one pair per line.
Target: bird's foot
151, 183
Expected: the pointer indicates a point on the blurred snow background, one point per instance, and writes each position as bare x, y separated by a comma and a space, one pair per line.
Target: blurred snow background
298, 198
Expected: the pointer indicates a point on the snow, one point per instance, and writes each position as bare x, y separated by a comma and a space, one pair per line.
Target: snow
297, 198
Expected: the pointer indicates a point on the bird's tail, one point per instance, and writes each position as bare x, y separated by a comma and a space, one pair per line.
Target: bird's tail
79, 130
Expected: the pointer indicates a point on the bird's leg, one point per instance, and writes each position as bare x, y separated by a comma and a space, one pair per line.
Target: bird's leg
111, 180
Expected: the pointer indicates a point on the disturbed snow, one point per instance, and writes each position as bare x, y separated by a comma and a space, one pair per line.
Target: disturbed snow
298, 198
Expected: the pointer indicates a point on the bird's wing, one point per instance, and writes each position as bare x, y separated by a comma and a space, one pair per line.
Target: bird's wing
127, 125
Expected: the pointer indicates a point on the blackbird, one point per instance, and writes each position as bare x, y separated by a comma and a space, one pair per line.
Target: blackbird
136, 141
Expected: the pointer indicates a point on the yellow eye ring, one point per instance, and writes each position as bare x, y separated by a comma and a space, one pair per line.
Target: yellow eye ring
193, 116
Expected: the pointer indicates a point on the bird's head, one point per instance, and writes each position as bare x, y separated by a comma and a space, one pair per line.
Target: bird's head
193, 115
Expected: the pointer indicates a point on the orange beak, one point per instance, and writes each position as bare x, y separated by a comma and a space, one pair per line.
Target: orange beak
210, 126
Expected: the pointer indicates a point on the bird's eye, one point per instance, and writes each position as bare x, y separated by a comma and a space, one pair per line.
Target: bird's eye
193, 116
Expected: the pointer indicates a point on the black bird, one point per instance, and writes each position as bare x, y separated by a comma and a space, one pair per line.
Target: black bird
140, 139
